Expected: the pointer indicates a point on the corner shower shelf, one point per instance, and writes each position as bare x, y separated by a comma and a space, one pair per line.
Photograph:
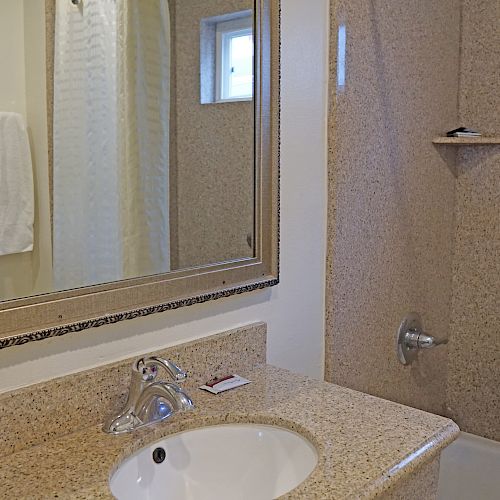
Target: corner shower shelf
466, 141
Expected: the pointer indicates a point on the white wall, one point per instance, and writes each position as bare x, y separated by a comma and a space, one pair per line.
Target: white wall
294, 310
12, 86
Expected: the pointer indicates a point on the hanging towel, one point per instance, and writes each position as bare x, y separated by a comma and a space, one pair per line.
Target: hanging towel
17, 203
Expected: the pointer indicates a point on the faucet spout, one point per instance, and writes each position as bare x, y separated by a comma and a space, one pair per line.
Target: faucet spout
162, 393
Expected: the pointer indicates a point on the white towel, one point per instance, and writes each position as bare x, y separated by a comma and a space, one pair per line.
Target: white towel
17, 199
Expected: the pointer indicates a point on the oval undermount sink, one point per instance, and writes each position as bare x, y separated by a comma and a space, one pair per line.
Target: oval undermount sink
231, 461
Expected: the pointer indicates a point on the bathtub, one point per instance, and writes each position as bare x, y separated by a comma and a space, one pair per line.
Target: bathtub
470, 469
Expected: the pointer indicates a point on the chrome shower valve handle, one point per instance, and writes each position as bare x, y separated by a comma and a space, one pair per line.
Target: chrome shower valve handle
411, 338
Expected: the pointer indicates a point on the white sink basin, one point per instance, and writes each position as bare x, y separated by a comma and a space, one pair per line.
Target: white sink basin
234, 461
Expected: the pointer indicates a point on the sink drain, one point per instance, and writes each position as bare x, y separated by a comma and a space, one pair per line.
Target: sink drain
159, 455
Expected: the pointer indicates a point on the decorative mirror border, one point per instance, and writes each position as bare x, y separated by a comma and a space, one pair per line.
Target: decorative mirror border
269, 280
110, 319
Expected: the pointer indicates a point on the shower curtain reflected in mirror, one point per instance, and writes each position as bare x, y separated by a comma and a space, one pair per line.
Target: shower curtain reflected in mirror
111, 141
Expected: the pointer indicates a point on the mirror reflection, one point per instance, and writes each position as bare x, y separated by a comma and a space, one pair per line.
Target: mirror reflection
126, 140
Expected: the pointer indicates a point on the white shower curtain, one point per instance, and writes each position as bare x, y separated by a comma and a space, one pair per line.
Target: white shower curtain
143, 152
111, 112
86, 233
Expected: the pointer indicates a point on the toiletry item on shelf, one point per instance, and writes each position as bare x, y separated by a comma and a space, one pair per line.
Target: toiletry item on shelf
222, 384
17, 197
463, 132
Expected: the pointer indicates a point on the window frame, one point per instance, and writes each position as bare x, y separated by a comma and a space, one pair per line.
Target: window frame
225, 31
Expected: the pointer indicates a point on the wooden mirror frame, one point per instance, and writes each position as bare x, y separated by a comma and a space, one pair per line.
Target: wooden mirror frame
53, 314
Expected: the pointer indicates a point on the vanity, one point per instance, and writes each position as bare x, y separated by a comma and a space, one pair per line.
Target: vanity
366, 447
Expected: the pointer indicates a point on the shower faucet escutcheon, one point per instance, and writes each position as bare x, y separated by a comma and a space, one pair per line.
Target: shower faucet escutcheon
411, 338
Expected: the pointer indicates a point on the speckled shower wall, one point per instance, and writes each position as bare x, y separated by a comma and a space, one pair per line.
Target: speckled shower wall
474, 350
414, 226
212, 172
391, 194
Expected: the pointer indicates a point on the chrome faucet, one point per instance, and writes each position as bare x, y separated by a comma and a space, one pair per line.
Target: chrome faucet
150, 400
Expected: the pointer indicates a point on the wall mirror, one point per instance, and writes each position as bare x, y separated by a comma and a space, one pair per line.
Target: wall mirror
138, 158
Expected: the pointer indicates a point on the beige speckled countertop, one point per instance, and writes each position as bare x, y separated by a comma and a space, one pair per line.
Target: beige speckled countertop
365, 444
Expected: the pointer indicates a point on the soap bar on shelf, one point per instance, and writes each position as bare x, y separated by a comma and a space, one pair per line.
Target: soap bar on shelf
463, 132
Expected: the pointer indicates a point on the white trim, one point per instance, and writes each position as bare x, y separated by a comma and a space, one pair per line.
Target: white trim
234, 99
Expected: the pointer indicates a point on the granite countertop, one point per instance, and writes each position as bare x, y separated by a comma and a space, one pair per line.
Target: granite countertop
365, 444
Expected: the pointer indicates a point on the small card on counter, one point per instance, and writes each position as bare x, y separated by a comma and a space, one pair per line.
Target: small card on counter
222, 384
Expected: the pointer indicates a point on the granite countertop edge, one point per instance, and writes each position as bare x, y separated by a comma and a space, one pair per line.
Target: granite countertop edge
413, 461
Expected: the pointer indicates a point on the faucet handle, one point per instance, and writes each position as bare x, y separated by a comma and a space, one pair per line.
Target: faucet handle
411, 338
149, 365
426, 341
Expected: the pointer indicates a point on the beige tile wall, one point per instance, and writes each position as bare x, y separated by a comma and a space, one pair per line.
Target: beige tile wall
391, 193
214, 170
473, 391
480, 66
474, 351
404, 233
